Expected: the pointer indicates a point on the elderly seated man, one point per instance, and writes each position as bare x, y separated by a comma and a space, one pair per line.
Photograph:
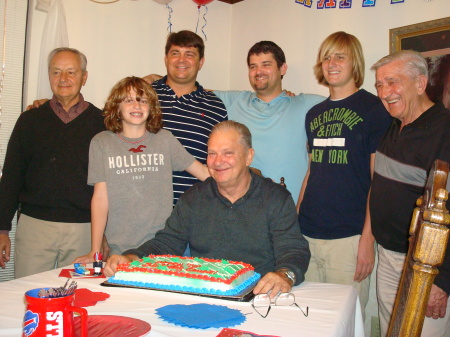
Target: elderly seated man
234, 215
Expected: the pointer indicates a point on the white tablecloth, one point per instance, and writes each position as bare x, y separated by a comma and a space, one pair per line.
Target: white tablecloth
334, 310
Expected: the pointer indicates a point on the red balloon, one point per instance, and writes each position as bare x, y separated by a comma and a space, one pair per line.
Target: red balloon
202, 2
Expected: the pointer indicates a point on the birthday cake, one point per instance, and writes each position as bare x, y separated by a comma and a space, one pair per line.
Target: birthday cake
187, 274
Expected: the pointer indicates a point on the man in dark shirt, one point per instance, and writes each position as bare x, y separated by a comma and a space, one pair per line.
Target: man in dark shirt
234, 215
343, 134
418, 135
45, 173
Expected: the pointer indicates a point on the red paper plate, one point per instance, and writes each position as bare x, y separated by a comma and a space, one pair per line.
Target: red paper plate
113, 326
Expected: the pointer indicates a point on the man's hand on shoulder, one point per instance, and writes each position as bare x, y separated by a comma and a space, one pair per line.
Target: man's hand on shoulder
289, 93
5, 249
37, 103
114, 260
276, 282
152, 78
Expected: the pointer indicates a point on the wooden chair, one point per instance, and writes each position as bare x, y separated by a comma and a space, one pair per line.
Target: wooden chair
427, 245
256, 171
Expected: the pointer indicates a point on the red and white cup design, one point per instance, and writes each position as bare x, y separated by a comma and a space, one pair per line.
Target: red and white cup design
51, 316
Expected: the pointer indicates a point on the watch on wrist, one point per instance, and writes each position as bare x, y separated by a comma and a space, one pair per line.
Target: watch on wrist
289, 273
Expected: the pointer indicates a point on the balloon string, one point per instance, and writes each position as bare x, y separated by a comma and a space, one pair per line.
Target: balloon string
169, 20
198, 18
204, 18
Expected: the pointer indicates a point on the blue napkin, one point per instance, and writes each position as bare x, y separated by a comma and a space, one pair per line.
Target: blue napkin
201, 316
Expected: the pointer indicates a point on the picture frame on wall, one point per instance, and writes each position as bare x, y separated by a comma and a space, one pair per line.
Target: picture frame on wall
432, 40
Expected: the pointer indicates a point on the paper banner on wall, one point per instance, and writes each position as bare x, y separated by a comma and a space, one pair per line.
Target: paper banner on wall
343, 4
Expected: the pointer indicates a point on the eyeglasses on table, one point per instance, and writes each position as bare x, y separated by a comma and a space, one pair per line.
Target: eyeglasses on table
263, 302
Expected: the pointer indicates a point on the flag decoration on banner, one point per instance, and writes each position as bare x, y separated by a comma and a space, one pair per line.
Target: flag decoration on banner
324, 4
369, 3
306, 3
345, 4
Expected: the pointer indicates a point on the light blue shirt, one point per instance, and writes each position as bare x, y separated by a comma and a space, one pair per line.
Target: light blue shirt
278, 133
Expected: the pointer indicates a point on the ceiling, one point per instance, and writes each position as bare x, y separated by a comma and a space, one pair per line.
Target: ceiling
231, 1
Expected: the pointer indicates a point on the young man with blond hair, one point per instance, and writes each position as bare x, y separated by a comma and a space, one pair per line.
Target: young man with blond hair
343, 134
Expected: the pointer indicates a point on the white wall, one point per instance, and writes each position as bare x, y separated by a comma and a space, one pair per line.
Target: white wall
128, 38
299, 31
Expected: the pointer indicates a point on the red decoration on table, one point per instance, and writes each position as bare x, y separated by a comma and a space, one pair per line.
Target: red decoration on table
226, 332
86, 298
66, 273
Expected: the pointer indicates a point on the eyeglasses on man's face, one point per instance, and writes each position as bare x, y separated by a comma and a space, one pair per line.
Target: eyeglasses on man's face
263, 302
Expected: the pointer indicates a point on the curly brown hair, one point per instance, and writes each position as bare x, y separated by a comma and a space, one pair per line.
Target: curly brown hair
111, 111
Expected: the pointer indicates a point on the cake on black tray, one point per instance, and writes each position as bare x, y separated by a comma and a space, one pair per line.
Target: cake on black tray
187, 274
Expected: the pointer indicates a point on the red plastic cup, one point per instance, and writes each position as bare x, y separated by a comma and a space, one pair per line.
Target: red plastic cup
51, 316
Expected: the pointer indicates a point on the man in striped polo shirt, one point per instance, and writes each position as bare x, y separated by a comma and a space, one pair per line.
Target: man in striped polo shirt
189, 111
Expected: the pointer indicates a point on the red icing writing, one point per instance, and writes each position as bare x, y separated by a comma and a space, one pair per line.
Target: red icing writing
195, 268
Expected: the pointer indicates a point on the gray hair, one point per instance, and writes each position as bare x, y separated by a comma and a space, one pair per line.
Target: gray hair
83, 59
241, 129
415, 63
